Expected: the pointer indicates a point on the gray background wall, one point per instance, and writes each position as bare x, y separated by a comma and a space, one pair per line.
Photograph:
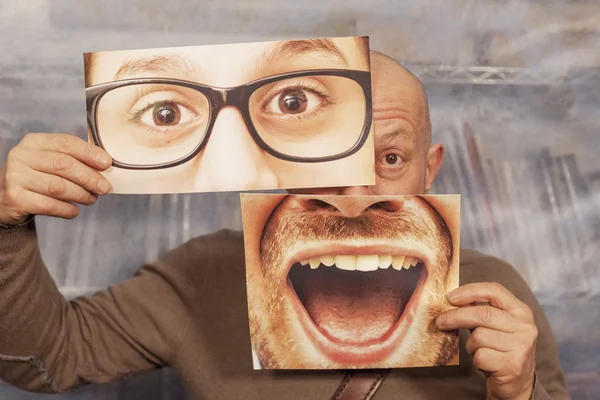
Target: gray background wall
514, 89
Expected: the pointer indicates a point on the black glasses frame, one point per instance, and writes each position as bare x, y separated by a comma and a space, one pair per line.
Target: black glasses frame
238, 97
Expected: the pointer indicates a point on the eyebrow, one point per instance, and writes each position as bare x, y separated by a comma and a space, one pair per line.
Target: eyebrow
176, 63
390, 137
292, 48
155, 64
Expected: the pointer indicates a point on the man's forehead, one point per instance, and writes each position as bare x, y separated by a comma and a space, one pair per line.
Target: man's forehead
397, 93
401, 116
397, 98
393, 130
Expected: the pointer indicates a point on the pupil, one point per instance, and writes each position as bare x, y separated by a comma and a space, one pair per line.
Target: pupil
166, 114
293, 102
392, 158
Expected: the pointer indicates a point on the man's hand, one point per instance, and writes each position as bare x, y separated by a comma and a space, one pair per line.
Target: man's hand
46, 173
503, 337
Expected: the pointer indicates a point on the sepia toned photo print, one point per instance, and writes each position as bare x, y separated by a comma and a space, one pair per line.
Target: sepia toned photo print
350, 282
233, 117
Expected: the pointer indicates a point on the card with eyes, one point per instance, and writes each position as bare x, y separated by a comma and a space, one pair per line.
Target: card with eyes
234, 117
350, 282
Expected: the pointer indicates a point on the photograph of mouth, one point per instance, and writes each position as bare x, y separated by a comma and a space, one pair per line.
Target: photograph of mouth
233, 117
344, 282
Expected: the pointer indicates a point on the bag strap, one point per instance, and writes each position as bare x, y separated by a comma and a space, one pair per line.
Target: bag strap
360, 385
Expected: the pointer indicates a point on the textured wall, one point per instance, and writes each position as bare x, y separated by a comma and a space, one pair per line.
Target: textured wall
522, 136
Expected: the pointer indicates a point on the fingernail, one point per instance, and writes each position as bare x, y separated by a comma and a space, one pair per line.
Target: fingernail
104, 160
104, 186
439, 321
453, 296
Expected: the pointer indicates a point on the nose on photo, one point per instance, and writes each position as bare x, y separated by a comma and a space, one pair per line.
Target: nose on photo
347, 206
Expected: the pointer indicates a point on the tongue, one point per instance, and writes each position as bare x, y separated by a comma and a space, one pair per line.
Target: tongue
353, 306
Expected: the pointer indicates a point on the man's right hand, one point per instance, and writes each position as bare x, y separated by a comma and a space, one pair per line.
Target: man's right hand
45, 174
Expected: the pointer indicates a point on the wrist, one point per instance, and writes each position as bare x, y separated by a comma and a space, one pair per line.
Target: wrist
527, 394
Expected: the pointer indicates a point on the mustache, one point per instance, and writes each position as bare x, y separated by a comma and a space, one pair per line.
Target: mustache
329, 225
283, 228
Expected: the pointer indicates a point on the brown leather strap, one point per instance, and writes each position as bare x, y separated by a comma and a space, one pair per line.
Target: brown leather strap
360, 385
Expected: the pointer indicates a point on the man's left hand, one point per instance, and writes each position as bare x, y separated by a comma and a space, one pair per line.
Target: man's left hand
503, 337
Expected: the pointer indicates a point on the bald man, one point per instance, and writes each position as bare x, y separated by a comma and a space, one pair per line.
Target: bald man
188, 311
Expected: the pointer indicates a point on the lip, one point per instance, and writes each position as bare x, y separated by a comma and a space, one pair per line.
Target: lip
371, 352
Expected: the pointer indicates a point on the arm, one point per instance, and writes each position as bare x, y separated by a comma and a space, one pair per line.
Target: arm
49, 344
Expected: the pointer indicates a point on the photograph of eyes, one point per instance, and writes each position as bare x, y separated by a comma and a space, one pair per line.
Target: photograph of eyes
233, 117
350, 282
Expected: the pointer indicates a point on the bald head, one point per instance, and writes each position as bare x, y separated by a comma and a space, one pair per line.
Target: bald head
396, 88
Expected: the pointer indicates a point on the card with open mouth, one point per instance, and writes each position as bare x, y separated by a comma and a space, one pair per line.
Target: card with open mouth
233, 117
345, 282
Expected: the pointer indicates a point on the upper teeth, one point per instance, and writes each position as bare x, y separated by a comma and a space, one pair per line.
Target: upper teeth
368, 262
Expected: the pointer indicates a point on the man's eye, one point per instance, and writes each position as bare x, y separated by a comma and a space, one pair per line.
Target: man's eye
392, 159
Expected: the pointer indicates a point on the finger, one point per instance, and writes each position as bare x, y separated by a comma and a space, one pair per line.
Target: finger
489, 360
38, 204
58, 188
474, 317
492, 339
77, 148
65, 166
486, 292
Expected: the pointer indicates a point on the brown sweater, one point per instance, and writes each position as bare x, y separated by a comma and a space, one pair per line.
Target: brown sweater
189, 312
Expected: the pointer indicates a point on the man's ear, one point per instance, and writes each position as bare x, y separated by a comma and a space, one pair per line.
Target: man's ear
435, 156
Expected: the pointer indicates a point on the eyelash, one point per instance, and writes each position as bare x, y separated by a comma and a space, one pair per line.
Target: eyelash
301, 86
304, 86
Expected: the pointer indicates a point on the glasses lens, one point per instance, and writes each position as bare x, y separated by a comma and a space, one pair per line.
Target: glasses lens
148, 124
309, 116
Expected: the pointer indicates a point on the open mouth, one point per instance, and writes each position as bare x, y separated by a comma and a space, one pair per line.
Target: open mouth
359, 306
